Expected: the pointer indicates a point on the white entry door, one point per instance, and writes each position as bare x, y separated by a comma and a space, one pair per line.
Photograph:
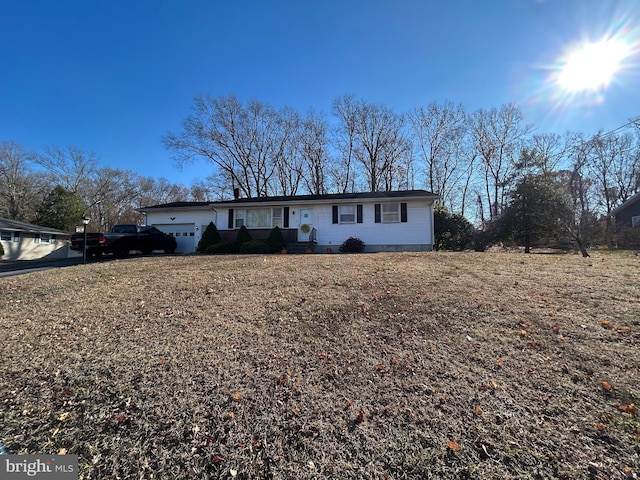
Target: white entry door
306, 224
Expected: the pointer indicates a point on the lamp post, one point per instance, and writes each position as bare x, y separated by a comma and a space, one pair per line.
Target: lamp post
85, 222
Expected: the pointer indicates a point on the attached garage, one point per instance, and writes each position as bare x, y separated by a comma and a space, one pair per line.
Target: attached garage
184, 234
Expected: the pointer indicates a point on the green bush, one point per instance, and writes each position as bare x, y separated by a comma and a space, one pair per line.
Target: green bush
451, 230
255, 246
209, 237
276, 239
1, 250
222, 248
352, 245
243, 235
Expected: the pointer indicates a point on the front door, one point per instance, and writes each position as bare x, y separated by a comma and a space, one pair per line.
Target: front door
306, 224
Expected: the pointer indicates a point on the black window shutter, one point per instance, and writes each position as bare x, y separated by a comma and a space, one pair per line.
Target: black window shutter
359, 213
403, 212
285, 220
335, 214
230, 224
378, 213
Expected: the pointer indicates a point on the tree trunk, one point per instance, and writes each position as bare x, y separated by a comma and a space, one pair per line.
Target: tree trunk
582, 248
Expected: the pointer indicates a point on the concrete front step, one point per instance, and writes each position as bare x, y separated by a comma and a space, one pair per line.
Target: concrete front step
297, 248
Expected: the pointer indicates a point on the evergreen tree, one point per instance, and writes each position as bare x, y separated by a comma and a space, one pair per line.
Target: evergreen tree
451, 230
276, 239
537, 209
209, 237
243, 236
61, 209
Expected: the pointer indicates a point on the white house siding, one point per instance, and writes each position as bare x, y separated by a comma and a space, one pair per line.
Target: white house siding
414, 235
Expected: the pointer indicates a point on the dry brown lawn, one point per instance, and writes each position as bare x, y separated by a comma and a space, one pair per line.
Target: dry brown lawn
381, 366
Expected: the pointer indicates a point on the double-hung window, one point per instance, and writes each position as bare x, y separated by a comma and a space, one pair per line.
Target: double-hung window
239, 220
391, 212
635, 221
276, 217
44, 238
6, 236
347, 214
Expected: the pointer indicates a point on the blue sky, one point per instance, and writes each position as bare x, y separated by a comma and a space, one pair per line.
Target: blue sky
113, 76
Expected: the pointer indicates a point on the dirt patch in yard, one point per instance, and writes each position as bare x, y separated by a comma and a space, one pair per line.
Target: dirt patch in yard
383, 366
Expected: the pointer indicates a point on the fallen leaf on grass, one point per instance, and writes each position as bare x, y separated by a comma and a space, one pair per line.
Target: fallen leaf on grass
453, 446
218, 459
63, 416
627, 408
62, 451
477, 410
361, 417
606, 386
606, 324
236, 396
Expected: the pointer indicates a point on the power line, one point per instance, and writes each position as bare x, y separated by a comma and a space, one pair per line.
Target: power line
632, 121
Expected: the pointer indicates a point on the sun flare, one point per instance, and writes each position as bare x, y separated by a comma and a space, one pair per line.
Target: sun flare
593, 66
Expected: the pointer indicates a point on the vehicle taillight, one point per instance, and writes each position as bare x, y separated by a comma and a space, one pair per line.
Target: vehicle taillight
102, 240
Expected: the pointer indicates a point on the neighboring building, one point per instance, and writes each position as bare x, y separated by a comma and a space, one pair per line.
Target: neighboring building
627, 223
628, 214
384, 221
24, 241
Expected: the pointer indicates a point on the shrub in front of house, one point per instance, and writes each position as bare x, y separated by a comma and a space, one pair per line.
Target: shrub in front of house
222, 248
255, 246
276, 239
209, 237
352, 245
243, 236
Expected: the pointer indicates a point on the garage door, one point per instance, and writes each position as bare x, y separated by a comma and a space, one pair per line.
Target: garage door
184, 234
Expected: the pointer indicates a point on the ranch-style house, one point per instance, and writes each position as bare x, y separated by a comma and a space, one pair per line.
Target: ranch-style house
25, 241
384, 221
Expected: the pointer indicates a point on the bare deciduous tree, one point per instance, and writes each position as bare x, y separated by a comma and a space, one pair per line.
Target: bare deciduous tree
375, 138
498, 136
243, 142
21, 188
440, 131
71, 167
313, 148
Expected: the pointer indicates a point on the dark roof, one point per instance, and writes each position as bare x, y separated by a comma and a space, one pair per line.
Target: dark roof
178, 205
303, 198
13, 225
626, 204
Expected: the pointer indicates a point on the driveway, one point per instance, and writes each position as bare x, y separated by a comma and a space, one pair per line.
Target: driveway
18, 267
